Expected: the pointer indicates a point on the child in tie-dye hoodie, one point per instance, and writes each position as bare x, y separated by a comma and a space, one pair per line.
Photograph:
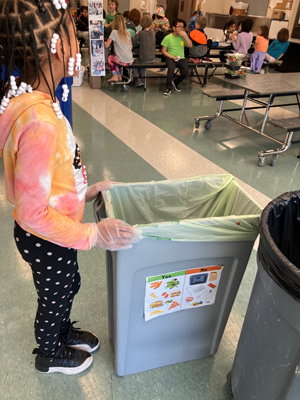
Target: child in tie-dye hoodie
45, 177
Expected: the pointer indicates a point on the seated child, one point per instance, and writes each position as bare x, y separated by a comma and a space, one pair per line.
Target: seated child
173, 50
83, 26
228, 30
146, 51
261, 47
135, 17
201, 46
231, 36
160, 25
244, 39
278, 47
198, 13
122, 47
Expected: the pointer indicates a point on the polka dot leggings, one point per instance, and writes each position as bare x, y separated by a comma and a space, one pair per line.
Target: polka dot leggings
57, 280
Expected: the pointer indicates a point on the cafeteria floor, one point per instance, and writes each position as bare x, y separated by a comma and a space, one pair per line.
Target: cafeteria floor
130, 137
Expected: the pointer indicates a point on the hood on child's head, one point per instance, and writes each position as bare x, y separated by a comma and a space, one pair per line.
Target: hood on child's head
160, 11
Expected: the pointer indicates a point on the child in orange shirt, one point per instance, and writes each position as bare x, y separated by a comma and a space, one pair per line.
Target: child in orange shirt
261, 47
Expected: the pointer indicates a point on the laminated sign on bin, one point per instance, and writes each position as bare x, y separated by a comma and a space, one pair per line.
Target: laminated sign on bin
182, 290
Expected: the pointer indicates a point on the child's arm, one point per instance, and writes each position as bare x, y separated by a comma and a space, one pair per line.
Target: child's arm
166, 27
187, 39
108, 43
136, 38
236, 43
166, 54
34, 171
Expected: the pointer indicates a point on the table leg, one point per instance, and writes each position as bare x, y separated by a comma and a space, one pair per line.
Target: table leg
270, 102
244, 105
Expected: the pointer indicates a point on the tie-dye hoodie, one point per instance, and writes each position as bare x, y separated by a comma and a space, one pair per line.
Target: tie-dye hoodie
44, 175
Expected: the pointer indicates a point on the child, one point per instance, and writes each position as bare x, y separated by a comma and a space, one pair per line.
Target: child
196, 14
122, 46
244, 39
135, 17
228, 30
233, 35
161, 23
173, 50
201, 46
113, 6
133, 23
125, 15
83, 25
146, 39
45, 178
278, 47
261, 47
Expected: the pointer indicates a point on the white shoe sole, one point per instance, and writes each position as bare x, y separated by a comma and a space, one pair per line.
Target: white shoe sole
86, 347
70, 371
177, 90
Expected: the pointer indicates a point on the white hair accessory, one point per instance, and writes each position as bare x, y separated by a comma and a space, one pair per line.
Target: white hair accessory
60, 4
57, 110
71, 66
78, 61
66, 92
54, 40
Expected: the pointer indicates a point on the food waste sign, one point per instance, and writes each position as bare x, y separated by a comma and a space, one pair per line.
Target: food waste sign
181, 290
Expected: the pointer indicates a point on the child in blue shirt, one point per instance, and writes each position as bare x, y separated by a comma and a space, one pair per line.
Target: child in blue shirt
278, 47
197, 14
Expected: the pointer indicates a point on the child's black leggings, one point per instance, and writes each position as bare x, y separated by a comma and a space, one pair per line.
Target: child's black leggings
57, 280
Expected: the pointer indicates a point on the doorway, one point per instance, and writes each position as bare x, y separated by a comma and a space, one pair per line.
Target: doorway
172, 10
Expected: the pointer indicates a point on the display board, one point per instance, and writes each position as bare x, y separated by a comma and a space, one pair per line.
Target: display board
96, 34
281, 5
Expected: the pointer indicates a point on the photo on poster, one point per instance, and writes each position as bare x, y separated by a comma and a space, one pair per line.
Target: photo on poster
97, 49
95, 8
97, 67
96, 29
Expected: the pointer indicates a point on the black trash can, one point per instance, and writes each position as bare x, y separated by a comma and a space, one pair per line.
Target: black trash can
267, 361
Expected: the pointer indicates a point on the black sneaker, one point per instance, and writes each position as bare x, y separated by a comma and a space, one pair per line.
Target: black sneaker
167, 92
176, 87
80, 340
66, 360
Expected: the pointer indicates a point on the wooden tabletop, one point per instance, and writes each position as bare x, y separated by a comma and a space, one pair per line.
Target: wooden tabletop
270, 83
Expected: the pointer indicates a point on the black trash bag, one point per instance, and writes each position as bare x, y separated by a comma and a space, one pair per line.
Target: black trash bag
279, 248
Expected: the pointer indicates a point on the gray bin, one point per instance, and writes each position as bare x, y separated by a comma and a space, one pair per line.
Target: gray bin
180, 336
267, 361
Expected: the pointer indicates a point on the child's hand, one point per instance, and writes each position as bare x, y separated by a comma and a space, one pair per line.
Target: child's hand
93, 190
183, 33
112, 234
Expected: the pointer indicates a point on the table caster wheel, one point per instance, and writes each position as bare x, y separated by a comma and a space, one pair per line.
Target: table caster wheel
197, 123
261, 161
208, 124
126, 88
273, 160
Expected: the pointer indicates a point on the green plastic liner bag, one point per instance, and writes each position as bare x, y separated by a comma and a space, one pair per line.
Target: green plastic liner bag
210, 208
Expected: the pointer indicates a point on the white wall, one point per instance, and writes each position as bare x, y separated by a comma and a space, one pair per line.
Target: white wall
217, 6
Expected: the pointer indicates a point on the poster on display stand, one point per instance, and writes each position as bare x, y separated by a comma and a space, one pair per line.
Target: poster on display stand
96, 33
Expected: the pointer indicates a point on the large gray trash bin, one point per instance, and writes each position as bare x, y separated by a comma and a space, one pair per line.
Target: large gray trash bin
187, 334
267, 361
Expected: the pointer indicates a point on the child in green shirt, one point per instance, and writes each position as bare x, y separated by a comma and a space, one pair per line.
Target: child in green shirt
173, 50
113, 6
